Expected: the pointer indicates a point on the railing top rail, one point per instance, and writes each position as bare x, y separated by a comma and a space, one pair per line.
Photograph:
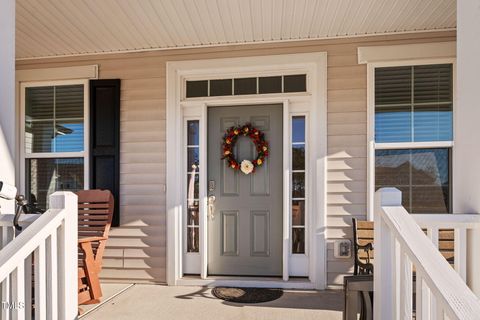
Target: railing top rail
6, 220
469, 221
444, 282
16, 251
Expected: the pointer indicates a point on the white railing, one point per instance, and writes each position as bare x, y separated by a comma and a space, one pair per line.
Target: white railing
402, 249
47, 251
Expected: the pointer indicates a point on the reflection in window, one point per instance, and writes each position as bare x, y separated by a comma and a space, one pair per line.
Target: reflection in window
423, 176
45, 176
298, 184
54, 119
193, 186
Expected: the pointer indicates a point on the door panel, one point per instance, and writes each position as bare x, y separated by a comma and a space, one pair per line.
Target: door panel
245, 233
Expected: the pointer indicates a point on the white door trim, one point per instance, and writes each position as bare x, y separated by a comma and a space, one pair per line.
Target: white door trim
312, 103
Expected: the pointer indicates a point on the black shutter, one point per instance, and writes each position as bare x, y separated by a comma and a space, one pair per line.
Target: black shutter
105, 139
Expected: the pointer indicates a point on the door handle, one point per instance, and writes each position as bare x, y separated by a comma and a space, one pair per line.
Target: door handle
211, 207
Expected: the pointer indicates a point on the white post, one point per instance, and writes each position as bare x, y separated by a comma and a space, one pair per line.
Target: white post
385, 262
7, 97
466, 167
67, 254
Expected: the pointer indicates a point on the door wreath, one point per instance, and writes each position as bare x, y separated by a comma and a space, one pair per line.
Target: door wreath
258, 138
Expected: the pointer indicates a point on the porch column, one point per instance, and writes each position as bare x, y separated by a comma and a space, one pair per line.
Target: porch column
7, 97
466, 159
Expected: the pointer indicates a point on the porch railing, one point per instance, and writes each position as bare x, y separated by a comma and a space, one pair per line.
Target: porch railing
39, 266
402, 250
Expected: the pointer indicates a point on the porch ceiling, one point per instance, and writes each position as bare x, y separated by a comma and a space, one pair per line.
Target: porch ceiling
47, 28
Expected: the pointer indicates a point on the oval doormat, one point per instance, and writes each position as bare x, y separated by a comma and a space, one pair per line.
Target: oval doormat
246, 295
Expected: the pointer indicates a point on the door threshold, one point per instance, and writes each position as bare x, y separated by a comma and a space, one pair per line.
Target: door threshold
257, 282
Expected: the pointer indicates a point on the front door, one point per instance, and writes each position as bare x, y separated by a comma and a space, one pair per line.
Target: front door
245, 227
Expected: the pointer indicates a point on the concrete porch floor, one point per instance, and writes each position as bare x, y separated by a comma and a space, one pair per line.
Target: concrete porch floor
163, 302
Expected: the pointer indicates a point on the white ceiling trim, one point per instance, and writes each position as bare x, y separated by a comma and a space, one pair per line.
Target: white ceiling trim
232, 44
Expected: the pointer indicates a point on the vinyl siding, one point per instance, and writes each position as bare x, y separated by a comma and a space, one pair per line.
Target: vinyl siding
137, 250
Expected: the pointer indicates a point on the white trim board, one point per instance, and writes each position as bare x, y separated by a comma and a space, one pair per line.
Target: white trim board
312, 103
65, 73
407, 52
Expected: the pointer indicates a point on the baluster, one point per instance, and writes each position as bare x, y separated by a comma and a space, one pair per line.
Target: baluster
52, 274
439, 314
18, 292
28, 287
419, 296
5, 298
40, 283
6, 284
405, 286
460, 252
433, 234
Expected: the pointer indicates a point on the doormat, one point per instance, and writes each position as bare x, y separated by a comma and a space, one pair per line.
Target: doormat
247, 295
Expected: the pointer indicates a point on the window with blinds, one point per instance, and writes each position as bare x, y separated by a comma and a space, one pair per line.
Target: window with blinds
53, 140
415, 104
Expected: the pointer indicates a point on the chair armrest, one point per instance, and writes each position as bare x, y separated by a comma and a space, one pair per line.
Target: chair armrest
91, 239
368, 246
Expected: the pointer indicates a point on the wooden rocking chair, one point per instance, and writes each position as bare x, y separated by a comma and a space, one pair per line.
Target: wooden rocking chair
95, 212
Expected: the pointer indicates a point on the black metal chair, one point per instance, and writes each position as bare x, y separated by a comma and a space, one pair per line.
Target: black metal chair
362, 246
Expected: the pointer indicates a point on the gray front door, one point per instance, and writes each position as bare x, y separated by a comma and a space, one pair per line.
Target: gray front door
245, 232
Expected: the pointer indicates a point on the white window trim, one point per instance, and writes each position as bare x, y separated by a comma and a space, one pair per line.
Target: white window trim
396, 53
54, 155
313, 101
372, 146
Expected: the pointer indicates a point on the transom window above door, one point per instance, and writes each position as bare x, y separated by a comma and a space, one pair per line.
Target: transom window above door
246, 85
54, 145
414, 134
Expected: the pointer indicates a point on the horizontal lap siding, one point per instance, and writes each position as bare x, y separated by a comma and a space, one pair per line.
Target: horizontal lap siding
136, 251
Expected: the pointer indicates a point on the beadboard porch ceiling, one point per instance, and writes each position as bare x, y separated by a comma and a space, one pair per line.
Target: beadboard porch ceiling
48, 28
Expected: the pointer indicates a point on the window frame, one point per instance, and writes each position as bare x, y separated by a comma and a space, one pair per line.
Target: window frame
372, 145
85, 154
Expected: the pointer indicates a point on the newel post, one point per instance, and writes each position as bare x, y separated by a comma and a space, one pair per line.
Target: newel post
67, 254
384, 280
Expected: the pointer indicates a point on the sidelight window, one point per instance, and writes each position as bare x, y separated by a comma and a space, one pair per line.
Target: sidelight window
298, 146
193, 185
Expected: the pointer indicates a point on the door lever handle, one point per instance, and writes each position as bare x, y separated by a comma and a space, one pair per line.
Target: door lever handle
211, 207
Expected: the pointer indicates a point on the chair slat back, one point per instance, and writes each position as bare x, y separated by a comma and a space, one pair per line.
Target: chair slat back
95, 213
364, 235
364, 230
